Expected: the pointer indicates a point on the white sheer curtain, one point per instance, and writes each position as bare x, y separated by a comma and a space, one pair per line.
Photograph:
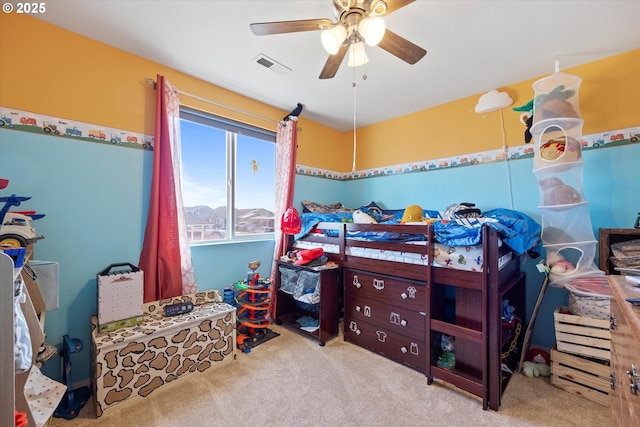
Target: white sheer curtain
286, 147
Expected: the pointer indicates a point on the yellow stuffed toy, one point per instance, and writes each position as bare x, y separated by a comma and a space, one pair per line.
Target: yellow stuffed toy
412, 213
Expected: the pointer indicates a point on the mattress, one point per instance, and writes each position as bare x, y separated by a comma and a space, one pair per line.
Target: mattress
467, 258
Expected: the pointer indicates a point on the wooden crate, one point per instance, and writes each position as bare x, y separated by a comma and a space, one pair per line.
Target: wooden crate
581, 376
581, 335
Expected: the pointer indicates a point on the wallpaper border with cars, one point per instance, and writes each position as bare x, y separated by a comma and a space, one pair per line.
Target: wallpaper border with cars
11, 118
25, 121
613, 138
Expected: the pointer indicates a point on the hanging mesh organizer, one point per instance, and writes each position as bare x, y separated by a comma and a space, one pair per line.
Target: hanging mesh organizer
567, 233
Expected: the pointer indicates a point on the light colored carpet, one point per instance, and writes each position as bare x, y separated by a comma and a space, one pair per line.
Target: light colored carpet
292, 381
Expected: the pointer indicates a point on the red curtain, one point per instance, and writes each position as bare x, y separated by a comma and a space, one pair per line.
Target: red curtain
166, 257
286, 146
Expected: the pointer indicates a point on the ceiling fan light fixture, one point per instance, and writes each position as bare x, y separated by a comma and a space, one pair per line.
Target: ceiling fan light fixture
372, 30
332, 38
357, 55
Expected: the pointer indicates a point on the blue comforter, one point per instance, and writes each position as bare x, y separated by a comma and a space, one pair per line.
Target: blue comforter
517, 230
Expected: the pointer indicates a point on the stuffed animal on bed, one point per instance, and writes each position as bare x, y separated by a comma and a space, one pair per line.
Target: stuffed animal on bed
412, 213
360, 217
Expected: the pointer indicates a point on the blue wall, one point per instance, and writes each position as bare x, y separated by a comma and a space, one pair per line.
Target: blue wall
95, 199
611, 185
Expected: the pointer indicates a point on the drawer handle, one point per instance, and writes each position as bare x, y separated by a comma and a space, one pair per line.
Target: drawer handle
378, 284
612, 379
403, 295
403, 322
633, 380
403, 349
356, 282
353, 326
612, 321
358, 308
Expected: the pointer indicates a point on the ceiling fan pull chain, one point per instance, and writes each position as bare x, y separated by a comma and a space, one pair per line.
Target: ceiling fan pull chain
353, 167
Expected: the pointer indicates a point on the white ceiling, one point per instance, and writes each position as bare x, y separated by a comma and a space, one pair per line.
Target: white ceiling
472, 47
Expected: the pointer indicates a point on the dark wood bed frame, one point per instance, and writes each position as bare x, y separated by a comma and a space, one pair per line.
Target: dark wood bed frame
464, 304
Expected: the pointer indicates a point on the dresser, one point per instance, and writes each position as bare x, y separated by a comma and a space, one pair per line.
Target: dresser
625, 353
386, 314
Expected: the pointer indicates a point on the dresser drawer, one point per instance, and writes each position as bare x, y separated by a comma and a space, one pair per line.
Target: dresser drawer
396, 319
409, 294
400, 348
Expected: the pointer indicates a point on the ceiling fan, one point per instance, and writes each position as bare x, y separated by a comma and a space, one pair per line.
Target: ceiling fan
358, 21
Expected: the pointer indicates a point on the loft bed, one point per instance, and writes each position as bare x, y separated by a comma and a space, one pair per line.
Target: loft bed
461, 289
403, 249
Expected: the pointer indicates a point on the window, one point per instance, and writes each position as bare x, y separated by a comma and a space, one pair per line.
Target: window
228, 179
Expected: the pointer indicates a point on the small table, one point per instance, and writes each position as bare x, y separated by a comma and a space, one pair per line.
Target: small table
291, 311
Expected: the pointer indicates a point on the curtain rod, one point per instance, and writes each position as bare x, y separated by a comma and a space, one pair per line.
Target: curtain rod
153, 84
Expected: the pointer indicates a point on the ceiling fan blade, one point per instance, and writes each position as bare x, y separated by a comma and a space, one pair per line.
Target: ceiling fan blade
401, 47
392, 6
333, 63
281, 27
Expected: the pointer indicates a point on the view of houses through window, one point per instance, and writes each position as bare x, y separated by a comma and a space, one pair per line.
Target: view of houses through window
228, 175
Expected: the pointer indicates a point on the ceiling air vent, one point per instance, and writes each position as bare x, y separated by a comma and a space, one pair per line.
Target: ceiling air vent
271, 64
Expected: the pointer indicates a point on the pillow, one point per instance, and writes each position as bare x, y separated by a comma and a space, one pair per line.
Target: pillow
309, 206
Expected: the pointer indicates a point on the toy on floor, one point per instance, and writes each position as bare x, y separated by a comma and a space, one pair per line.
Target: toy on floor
539, 356
537, 364
74, 400
533, 369
253, 302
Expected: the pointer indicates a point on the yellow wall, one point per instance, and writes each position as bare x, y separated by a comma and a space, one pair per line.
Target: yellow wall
609, 97
48, 70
